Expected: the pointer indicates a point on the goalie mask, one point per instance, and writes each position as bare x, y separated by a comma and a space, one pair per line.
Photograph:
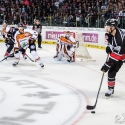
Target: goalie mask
67, 34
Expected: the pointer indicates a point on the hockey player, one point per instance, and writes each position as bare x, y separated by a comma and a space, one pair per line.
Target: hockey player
7, 33
25, 38
67, 43
116, 51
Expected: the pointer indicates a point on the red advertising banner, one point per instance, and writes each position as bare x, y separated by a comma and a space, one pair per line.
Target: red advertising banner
53, 35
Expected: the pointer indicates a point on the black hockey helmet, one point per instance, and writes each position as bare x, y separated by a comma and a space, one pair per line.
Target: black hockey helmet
20, 25
111, 22
5, 22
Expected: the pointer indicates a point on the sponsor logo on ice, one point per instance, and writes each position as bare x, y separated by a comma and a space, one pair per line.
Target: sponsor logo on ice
120, 119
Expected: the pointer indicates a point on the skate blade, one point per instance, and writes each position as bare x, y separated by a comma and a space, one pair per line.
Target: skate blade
107, 97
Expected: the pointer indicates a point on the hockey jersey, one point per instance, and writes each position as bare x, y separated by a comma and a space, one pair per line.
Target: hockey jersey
23, 38
4, 31
117, 45
65, 40
37, 28
11, 32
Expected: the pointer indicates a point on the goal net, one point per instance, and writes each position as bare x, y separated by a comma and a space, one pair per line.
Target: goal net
81, 51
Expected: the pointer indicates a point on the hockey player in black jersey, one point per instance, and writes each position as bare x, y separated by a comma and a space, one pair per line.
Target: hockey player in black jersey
116, 51
8, 35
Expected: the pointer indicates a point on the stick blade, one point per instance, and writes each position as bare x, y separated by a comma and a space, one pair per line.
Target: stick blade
90, 107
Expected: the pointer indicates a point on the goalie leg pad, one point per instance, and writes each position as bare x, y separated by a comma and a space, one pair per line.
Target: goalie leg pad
57, 47
71, 51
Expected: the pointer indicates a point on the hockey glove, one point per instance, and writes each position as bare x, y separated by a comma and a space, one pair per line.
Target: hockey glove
108, 50
108, 38
106, 67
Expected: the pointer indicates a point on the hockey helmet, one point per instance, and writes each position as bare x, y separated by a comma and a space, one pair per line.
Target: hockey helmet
67, 33
111, 22
5, 22
37, 21
20, 25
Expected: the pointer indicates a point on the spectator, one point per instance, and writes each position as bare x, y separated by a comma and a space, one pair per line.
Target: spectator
25, 23
26, 2
96, 10
15, 19
57, 3
30, 2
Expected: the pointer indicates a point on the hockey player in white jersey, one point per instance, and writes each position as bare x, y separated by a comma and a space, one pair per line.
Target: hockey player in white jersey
25, 38
66, 43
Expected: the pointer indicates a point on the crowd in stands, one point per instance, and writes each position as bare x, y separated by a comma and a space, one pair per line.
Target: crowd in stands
74, 13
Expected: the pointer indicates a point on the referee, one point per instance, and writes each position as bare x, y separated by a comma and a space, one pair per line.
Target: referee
38, 28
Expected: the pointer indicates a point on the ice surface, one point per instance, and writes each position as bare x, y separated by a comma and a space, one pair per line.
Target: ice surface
59, 93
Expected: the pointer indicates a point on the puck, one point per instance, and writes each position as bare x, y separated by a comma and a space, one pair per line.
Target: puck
93, 112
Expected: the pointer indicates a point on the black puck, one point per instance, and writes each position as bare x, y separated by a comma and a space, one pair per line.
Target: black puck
93, 112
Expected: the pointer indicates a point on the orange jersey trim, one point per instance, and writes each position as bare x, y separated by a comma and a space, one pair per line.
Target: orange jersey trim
4, 31
65, 40
20, 37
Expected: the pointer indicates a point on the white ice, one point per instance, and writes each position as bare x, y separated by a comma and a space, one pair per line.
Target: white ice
58, 94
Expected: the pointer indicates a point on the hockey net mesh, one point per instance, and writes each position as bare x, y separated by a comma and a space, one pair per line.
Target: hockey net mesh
81, 51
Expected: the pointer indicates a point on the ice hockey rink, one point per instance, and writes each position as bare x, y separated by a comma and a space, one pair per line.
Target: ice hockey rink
58, 93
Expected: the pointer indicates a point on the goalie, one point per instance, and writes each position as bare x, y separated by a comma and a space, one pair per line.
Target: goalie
67, 45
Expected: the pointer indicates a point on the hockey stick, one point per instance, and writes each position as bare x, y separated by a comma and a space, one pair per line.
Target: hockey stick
26, 54
93, 107
6, 57
30, 58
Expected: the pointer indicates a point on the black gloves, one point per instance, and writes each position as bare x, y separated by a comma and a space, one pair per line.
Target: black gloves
108, 50
106, 67
108, 37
